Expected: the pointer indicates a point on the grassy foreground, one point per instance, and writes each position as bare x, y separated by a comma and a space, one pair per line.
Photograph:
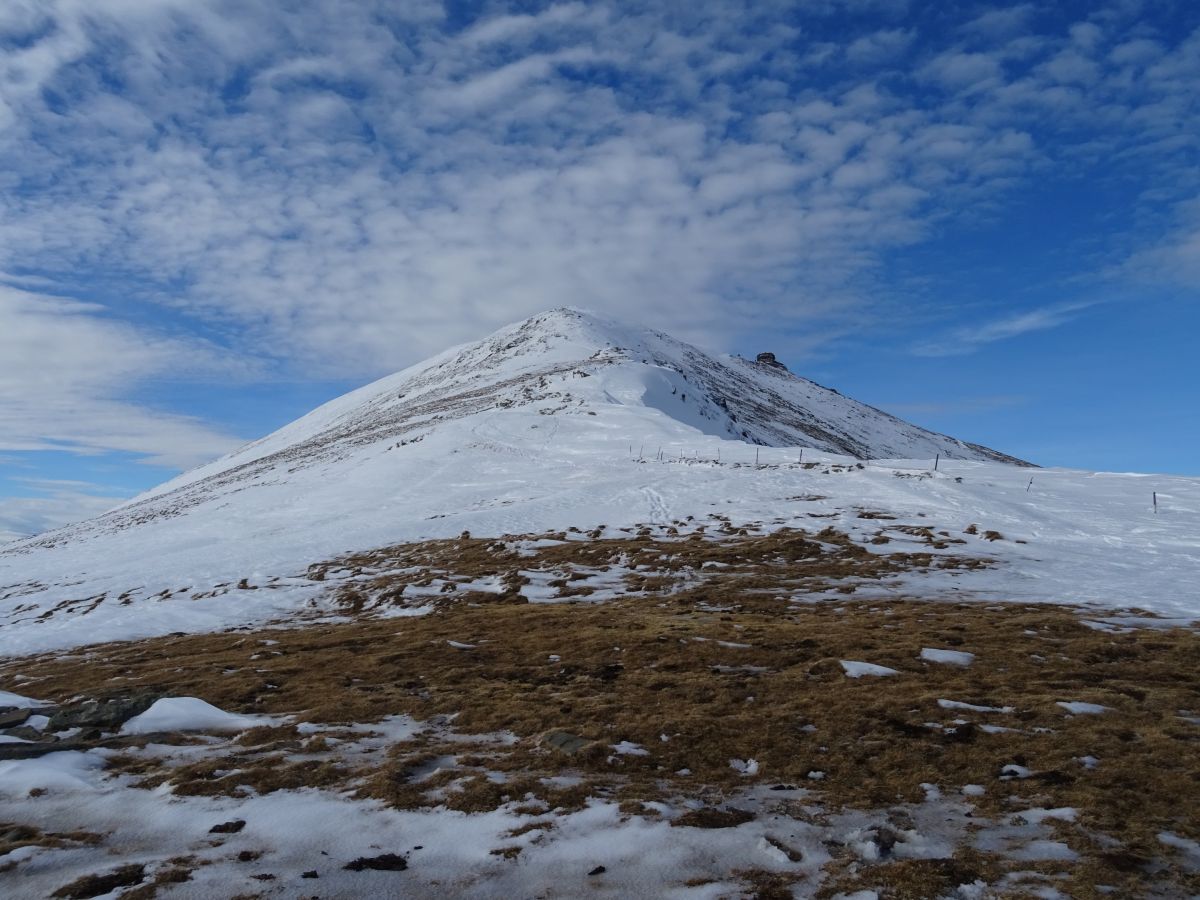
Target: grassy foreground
701, 671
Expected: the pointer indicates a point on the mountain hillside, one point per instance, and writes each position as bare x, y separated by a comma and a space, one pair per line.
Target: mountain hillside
546, 364
580, 610
563, 421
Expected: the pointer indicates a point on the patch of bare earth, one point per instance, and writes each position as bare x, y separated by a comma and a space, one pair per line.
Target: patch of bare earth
706, 657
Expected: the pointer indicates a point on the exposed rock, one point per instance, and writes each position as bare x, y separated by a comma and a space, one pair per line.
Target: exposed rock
25, 733
15, 834
710, 817
108, 714
82, 742
564, 741
11, 716
885, 840
228, 827
388, 862
768, 359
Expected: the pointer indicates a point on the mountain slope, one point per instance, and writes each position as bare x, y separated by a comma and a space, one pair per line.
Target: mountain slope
566, 421
544, 359
543, 362
644, 651
565, 365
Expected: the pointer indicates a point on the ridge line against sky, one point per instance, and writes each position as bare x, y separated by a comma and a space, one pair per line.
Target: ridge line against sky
216, 215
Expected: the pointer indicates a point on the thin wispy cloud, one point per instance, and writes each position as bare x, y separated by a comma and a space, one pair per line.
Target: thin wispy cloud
64, 369
968, 339
56, 503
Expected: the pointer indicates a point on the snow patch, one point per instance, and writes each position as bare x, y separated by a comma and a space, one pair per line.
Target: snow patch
1083, 709
947, 657
857, 669
191, 714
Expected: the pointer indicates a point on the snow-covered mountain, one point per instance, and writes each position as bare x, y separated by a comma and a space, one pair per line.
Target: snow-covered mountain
588, 380
563, 420
565, 364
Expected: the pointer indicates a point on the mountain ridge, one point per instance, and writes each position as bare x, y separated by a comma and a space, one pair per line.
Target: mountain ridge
558, 337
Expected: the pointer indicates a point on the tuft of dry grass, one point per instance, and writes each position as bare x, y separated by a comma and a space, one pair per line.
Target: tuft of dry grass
14, 836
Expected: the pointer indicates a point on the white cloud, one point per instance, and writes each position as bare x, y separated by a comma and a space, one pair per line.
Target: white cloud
968, 339
879, 46
57, 503
1173, 258
511, 27
63, 368
1002, 22
363, 201
959, 70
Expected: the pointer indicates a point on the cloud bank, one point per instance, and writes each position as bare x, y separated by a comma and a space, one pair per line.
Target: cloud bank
340, 189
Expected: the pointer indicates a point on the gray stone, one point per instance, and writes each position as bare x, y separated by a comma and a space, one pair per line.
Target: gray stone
25, 733
108, 714
116, 741
10, 716
567, 743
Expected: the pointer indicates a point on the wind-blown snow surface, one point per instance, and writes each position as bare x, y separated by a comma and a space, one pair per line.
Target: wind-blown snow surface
567, 420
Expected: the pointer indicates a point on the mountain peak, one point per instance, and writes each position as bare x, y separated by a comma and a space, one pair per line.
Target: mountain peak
597, 379
566, 324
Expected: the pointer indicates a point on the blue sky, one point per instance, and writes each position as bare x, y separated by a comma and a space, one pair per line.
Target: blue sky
215, 215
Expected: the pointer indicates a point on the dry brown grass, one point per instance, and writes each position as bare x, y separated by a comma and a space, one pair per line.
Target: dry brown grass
13, 837
653, 664
656, 562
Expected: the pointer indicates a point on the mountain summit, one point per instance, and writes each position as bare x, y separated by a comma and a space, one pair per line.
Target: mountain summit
565, 364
